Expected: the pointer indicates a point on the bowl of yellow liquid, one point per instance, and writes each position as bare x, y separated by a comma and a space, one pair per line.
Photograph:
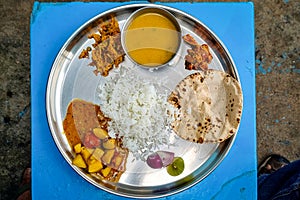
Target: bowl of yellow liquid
151, 37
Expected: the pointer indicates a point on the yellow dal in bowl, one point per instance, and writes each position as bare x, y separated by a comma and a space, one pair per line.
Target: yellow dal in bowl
151, 39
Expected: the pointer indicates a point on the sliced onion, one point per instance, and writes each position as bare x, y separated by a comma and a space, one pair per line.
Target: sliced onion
154, 161
166, 157
160, 159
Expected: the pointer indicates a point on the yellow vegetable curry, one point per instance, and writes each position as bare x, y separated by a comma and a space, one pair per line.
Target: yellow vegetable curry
85, 127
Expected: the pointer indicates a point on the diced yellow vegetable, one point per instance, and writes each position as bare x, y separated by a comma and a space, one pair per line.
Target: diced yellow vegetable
98, 153
78, 161
86, 153
118, 160
94, 165
100, 133
108, 155
105, 171
109, 144
77, 148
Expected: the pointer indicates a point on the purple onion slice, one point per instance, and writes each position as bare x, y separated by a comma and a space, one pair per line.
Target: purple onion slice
160, 159
166, 157
154, 161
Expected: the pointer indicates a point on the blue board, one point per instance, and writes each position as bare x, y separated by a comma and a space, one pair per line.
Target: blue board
53, 23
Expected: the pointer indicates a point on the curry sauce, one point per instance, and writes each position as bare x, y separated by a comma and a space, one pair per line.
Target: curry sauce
85, 127
151, 39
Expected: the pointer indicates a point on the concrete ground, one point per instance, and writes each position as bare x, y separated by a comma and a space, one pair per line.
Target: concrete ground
277, 77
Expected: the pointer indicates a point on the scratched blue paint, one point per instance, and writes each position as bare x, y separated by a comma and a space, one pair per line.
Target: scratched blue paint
275, 67
285, 1
289, 70
23, 112
35, 11
230, 187
261, 70
284, 142
296, 71
276, 121
269, 69
284, 55
273, 64
266, 97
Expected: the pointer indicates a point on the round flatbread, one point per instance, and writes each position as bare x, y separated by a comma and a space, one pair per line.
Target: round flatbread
210, 106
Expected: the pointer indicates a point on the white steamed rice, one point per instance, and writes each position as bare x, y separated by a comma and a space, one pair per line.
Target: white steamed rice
138, 111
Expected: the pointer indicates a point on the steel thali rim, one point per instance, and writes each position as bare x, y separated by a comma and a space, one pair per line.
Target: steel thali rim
127, 191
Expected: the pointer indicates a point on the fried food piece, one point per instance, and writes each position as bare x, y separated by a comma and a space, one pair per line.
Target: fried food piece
198, 57
85, 53
108, 52
190, 40
108, 26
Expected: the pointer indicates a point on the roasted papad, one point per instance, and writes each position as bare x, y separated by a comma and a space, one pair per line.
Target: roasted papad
210, 106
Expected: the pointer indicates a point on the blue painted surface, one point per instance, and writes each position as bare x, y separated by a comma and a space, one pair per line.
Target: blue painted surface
53, 23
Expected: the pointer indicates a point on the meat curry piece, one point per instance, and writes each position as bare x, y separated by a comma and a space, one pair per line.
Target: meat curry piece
198, 57
95, 151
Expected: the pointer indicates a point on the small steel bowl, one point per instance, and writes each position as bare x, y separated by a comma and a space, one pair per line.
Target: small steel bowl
160, 11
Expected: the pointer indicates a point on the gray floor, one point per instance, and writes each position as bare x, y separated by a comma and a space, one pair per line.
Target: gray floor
277, 78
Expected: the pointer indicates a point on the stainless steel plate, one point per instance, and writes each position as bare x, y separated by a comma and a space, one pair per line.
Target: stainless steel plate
71, 77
